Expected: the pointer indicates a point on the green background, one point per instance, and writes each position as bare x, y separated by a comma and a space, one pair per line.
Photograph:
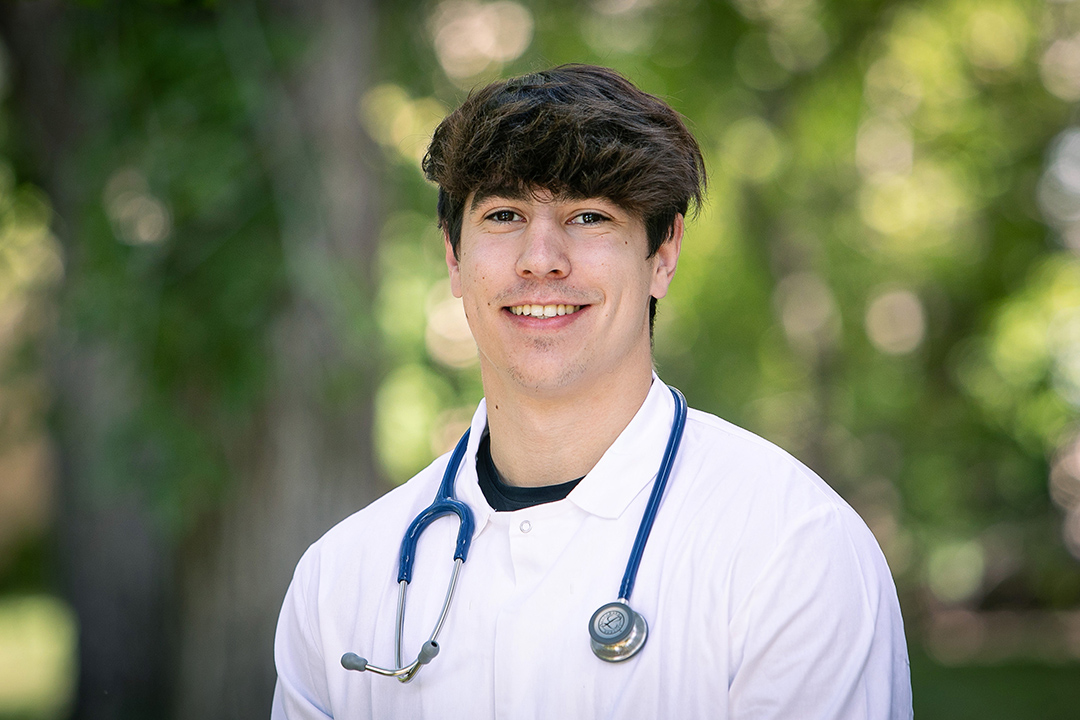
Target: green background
224, 322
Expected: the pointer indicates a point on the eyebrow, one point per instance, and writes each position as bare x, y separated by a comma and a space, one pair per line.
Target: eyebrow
510, 194
479, 196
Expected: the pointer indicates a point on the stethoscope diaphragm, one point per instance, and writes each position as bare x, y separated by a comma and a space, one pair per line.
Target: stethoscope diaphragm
617, 631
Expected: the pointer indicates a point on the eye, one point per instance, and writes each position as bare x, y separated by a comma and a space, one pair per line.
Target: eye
589, 217
503, 216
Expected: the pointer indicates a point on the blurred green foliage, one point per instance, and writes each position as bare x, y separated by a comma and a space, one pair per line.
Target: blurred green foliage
174, 258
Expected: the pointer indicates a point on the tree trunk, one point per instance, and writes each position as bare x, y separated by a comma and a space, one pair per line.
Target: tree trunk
312, 462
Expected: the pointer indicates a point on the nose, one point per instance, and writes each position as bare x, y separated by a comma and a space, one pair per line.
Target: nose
543, 254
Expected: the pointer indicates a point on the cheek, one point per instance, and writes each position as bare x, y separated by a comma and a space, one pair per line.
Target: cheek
475, 286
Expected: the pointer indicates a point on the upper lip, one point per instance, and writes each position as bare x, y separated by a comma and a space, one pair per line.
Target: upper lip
523, 295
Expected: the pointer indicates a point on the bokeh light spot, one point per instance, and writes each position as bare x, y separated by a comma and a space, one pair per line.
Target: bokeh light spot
923, 206
751, 150
1065, 475
399, 122
995, 38
808, 311
955, 570
37, 656
138, 217
799, 45
447, 337
406, 406
884, 147
470, 37
1060, 68
1059, 186
1070, 531
895, 322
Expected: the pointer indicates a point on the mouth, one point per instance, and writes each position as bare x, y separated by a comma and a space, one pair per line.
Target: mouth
544, 311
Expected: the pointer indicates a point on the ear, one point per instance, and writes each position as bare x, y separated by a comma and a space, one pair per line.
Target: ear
452, 266
666, 258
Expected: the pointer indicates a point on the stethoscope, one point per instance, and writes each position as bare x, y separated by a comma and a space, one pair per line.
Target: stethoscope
617, 632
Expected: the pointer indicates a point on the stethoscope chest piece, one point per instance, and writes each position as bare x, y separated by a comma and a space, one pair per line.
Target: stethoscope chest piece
617, 632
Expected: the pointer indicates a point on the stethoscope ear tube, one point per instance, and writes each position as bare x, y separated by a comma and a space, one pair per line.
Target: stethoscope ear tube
444, 504
433, 512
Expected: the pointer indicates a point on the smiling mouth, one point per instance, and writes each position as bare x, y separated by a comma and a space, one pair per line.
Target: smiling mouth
544, 311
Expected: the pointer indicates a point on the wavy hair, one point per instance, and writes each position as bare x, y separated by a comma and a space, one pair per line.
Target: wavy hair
575, 131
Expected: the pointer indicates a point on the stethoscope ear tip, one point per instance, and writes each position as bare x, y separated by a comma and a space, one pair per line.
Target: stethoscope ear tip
428, 652
352, 661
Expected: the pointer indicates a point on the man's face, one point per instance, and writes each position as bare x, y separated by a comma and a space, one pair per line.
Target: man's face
557, 291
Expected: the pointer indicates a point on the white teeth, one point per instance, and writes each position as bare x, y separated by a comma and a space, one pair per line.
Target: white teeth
544, 311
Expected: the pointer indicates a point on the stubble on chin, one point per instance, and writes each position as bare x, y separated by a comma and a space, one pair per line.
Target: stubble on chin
531, 381
528, 377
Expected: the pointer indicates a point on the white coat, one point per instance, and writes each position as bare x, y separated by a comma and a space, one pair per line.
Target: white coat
765, 594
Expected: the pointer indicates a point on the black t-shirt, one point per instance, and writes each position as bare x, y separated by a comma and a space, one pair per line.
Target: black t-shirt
505, 498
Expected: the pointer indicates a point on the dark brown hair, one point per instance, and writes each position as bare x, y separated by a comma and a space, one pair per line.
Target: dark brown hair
576, 131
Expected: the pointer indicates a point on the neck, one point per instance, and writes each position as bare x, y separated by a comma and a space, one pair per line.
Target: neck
544, 440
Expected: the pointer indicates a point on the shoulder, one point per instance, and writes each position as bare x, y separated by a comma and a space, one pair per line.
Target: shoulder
800, 576
762, 498
749, 465
370, 537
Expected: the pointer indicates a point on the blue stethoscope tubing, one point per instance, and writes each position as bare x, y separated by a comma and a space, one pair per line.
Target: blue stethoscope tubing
678, 423
617, 631
445, 504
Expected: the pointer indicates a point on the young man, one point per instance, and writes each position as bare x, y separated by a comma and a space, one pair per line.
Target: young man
760, 592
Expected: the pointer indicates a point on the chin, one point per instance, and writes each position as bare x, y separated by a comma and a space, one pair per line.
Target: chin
547, 379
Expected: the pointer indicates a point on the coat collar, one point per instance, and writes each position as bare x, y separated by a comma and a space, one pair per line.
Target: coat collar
627, 467
632, 461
